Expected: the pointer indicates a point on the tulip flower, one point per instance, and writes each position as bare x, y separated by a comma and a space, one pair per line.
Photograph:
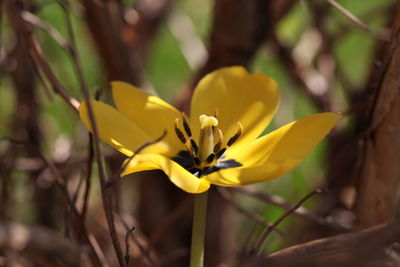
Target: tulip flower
219, 142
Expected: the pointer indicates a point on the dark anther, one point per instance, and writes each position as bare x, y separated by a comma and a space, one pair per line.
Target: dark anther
210, 158
190, 149
194, 145
220, 153
233, 139
179, 133
186, 126
217, 147
236, 136
196, 161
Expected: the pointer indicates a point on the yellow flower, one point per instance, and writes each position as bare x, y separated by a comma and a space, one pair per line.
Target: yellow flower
218, 143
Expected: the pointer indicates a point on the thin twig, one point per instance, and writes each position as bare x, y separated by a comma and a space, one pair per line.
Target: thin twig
37, 53
42, 81
75, 193
128, 233
272, 227
97, 249
166, 223
282, 203
255, 217
137, 151
144, 250
62, 185
53, 169
226, 195
36, 21
358, 22
88, 180
106, 197
322, 101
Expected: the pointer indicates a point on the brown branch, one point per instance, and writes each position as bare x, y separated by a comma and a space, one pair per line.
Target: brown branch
88, 180
169, 221
379, 154
106, 197
239, 29
144, 249
270, 228
281, 202
40, 246
358, 22
127, 235
227, 196
369, 247
36, 53
137, 151
83, 234
322, 101
48, 28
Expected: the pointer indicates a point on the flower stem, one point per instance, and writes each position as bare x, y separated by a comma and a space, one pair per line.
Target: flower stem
198, 230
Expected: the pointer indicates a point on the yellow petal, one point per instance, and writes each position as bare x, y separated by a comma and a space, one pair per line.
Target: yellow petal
117, 130
178, 175
238, 96
244, 176
148, 112
276, 153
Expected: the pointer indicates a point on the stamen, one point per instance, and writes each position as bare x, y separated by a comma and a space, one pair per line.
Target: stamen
236, 136
218, 145
194, 145
190, 149
179, 133
196, 161
186, 125
210, 158
220, 153
206, 155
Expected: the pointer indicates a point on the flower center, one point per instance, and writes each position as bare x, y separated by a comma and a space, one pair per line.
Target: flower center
206, 155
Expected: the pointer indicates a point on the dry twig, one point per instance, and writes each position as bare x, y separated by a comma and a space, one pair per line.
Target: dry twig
270, 228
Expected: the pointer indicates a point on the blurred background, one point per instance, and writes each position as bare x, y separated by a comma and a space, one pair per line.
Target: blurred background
325, 55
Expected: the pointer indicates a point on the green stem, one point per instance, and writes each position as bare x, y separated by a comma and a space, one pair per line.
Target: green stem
198, 231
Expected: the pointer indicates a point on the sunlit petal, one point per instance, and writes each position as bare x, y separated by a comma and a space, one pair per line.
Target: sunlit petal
176, 173
251, 99
148, 112
278, 152
117, 130
244, 176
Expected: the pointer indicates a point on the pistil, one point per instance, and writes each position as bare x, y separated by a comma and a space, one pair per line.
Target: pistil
206, 142
207, 155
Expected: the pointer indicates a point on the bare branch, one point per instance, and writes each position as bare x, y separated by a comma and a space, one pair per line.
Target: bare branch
35, 20
128, 234
281, 202
369, 247
41, 246
270, 228
137, 151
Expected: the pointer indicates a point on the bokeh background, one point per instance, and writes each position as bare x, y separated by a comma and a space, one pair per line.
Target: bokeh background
325, 55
